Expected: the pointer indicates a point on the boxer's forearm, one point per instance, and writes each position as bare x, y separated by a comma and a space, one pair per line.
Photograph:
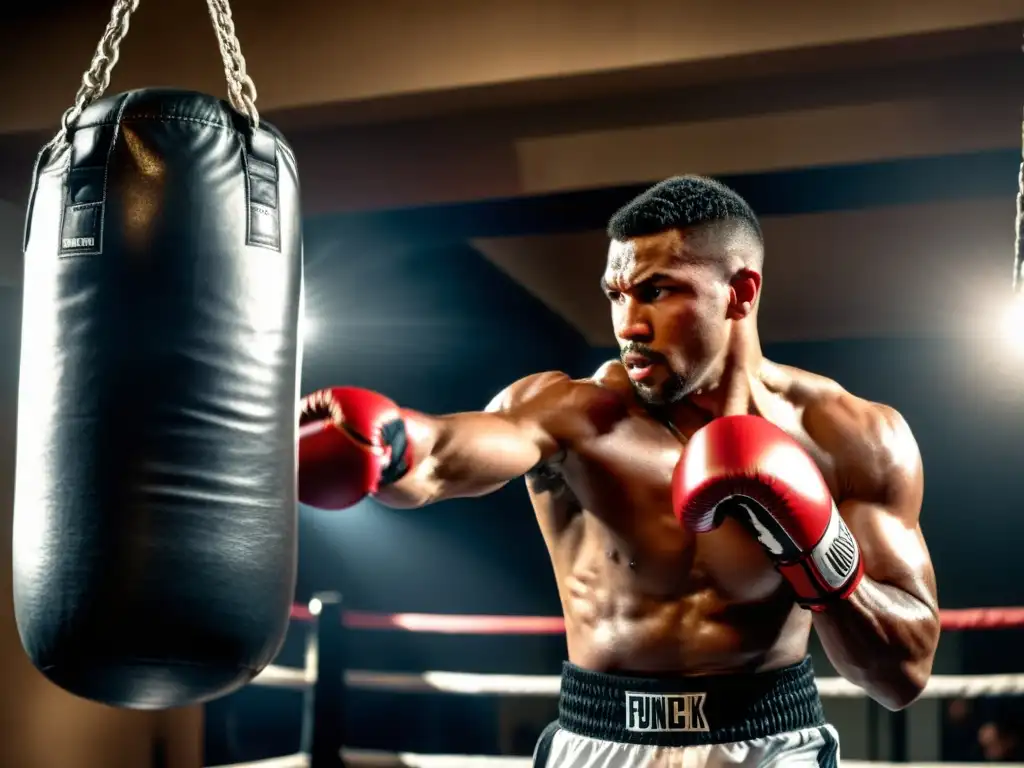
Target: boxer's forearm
461, 455
883, 639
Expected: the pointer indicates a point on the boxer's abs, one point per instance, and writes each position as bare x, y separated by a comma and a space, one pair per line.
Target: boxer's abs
640, 594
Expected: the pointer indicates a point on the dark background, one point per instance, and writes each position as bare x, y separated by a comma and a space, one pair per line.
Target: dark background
410, 310
399, 301
419, 323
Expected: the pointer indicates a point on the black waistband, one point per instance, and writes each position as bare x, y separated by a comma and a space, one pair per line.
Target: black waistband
688, 711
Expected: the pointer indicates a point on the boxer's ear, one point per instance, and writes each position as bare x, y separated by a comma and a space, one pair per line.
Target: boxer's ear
744, 291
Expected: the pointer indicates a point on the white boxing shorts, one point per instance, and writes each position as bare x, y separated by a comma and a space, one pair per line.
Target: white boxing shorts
613, 721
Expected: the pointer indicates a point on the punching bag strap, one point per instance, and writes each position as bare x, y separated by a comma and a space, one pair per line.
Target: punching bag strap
264, 228
85, 193
261, 174
261, 169
81, 229
96, 80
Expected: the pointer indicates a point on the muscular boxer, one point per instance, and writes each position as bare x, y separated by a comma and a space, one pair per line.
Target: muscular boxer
703, 507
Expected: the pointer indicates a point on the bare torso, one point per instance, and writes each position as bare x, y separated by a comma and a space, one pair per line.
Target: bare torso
641, 594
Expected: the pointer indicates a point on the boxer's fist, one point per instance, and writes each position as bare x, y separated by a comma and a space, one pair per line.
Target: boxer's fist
352, 442
746, 467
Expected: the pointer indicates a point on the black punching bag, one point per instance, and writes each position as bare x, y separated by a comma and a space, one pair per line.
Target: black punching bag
155, 502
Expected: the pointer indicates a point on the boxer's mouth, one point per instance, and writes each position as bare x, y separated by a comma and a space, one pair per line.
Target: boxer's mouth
637, 366
636, 360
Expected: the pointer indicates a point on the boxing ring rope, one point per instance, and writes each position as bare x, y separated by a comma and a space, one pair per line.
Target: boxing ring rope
456, 624
940, 686
466, 684
324, 679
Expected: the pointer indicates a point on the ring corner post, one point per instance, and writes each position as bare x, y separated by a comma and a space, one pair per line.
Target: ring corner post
324, 727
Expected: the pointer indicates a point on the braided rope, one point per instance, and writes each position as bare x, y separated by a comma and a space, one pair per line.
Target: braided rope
96, 79
241, 89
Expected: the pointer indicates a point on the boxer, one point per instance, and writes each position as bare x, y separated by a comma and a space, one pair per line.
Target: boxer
703, 507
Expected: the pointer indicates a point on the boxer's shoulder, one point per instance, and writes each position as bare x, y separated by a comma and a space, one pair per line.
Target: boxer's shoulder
870, 443
560, 399
529, 390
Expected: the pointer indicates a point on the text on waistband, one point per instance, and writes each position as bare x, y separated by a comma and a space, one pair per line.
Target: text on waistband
666, 712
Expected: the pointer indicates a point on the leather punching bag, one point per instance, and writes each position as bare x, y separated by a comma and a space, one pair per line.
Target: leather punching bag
155, 503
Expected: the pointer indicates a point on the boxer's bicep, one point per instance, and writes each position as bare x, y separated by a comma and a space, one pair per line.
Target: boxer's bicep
475, 453
884, 635
884, 511
894, 551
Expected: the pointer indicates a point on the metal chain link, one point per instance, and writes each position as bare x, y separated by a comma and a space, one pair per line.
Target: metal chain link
241, 89
96, 80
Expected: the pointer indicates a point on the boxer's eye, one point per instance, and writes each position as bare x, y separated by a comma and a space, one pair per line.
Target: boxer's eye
650, 293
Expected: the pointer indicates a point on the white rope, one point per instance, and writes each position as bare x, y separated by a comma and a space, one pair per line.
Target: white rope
939, 686
288, 761
285, 677
456, 682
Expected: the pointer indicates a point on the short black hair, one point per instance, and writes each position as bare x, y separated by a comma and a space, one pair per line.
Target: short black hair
678, 203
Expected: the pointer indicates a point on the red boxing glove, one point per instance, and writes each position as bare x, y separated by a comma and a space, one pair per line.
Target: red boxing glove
746, 467
352, 442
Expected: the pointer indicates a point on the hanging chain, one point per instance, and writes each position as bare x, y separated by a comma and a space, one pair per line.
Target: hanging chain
96, 80
241, 89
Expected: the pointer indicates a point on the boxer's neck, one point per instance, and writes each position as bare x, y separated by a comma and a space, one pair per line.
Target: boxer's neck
731, 386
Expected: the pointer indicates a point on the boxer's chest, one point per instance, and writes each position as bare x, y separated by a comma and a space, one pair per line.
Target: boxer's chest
623, 485
633, 464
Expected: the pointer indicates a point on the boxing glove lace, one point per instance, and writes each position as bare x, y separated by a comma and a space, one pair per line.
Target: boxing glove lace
747, 468
352, 442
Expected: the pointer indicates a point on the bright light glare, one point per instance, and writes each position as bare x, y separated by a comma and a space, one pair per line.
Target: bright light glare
315, 606
307, 330
1013, 325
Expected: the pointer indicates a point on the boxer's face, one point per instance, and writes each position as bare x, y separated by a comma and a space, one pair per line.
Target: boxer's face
669, 312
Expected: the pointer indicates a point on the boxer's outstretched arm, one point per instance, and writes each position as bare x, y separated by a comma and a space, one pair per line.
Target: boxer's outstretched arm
471, 454
884, 636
